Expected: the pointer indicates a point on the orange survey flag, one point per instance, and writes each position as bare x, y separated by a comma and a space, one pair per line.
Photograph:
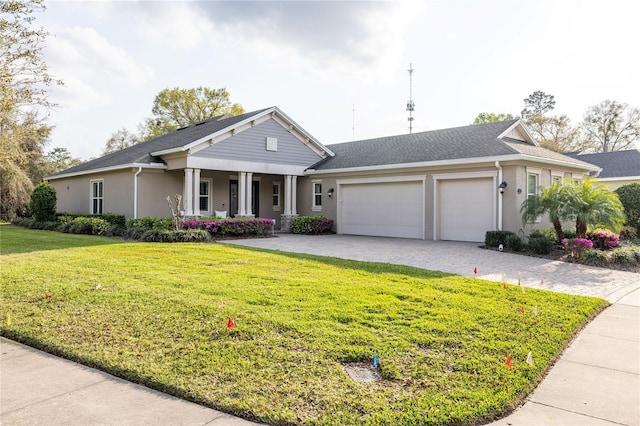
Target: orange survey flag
507, 362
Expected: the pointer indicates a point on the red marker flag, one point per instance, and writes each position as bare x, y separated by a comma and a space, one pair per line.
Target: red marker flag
522, 310
47, 295
475, 269
230, 323
507, 362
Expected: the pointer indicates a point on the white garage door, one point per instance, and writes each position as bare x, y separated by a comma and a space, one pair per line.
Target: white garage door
465, 209
389, 209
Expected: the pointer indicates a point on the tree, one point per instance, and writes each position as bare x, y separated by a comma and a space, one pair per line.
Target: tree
175, 108
489, 117
629, 196
555, 132
611, 126
24, 83
43, 202
538, 103
54, 161
120, 139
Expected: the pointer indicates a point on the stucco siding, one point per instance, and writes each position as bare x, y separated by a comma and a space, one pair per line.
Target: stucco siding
153, 189
251, 145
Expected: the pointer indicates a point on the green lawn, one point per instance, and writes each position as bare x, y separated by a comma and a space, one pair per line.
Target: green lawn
151, 313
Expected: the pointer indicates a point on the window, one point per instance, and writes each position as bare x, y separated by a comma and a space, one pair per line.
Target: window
205, 195
96, 196
276, 196
556, 176
316, 204
532, 188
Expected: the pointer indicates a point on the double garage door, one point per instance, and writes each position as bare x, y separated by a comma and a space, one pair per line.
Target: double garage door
464, 209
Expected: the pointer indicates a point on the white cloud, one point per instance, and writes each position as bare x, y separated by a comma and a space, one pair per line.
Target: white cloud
175, 24
77, 95
85, 51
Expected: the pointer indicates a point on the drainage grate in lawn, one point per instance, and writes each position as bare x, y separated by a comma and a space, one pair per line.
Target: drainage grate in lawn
362, 372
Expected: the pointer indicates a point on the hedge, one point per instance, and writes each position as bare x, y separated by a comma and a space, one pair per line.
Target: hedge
311, 225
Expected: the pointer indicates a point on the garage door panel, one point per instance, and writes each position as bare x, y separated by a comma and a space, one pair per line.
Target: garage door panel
393, 209
465, 209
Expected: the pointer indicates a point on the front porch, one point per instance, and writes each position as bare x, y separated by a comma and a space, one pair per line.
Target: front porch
240, 194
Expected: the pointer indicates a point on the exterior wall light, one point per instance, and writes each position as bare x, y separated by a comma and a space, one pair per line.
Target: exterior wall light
502, 186
330, 192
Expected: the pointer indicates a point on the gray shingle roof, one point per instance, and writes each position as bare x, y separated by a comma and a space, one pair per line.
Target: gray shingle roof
140, 153
614, 164
472, 141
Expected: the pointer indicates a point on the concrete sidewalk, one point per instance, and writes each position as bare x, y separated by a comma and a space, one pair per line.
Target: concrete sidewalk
37, 388
597, 379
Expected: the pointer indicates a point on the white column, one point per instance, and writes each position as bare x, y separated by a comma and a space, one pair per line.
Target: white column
242, 176
187, 194
196, 192
287, 195
248, 194
294, 195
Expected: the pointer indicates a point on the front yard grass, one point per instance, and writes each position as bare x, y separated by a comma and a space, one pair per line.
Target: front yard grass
157, 314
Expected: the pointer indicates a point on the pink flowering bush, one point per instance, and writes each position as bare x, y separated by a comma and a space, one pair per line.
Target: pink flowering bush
577, 245
232, 227
603, 240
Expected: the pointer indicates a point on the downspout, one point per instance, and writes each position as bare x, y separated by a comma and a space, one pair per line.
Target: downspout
500, 195
135, 192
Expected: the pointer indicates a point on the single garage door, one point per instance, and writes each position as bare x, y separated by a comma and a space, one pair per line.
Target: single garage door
465, 209
389, 209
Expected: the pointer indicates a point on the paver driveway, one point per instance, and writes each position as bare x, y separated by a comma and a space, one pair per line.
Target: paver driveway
461, 258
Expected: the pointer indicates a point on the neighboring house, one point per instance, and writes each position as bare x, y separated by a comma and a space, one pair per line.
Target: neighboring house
618, 167
450, 184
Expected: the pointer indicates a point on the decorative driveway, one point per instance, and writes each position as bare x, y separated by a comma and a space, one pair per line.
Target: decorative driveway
460, 258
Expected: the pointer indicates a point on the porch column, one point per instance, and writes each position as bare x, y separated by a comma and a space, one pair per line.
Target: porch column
287, 195
242, 176
294, 195
248, 194
196, 192
188, 192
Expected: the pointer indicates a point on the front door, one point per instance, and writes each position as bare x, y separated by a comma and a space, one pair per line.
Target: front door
233, 198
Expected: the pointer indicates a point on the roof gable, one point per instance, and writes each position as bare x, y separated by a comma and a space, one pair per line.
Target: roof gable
189, 139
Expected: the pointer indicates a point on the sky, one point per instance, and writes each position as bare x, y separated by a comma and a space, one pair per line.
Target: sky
337, 68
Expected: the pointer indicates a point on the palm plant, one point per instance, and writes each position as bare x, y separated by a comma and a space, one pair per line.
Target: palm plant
588, 201
552, 201
593, 203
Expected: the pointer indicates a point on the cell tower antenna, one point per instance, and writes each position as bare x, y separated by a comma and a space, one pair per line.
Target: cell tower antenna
410, 105
353, 123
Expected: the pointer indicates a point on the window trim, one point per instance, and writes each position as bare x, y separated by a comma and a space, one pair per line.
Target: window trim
316, 207
535, 173
93, 198
209, 182
276, 207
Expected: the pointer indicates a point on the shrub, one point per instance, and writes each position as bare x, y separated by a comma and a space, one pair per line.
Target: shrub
311, 225
43, 202
577, 245
603, 240
191, 235
22, 221
514, 243
595, 257
629, 196
118, 220
541, 242
495, 238
628, 233
623, 257
231, 227
150, 223
89, 225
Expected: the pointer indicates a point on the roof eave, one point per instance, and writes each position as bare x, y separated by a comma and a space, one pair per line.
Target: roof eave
108, 169
454, 162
